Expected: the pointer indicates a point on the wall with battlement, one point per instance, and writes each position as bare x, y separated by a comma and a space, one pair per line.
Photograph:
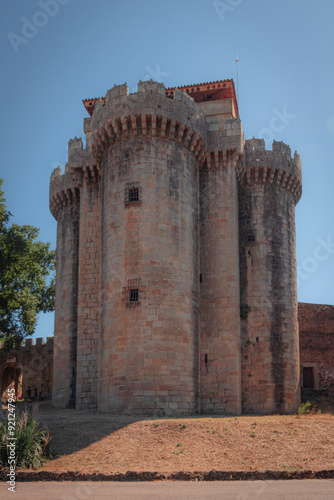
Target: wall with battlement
149, 113
148, 356
275, 167
269, 188
35, 361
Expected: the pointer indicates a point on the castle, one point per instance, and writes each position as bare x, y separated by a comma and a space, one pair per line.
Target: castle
176, 266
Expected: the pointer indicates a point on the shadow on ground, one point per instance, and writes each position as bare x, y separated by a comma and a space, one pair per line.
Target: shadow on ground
73, 430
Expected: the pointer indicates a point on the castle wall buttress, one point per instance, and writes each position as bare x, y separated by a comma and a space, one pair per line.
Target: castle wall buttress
219, 288
65, 206
88, 292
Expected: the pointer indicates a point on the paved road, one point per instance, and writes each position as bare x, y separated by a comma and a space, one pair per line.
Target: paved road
307, 489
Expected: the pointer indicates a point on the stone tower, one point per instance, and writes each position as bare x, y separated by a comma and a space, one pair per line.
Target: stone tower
156, 312
269, 189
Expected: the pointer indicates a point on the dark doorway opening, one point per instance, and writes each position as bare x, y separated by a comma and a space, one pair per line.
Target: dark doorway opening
308, 377
11, 378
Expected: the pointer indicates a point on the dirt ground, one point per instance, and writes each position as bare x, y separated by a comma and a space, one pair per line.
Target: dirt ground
89, 442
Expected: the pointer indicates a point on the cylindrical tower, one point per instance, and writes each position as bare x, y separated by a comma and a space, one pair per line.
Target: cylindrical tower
148, 149
64, 206
219, 272
269, 188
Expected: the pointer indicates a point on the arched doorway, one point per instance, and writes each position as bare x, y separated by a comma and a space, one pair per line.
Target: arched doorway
11, 378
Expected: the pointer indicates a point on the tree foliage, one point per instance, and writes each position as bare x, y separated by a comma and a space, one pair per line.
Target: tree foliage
27, 282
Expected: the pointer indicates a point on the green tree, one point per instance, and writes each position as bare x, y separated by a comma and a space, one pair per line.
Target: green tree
27, 282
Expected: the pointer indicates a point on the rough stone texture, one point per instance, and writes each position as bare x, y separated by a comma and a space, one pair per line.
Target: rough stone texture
220, 305
65, 207
177, 349
269, 186
88, 295
316, 334
149, 354
34, 363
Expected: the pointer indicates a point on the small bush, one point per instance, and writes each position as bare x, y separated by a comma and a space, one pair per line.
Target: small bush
32, 442
304, 408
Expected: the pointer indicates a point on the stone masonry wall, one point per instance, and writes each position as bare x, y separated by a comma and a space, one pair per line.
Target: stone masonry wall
88, 294
270, 348
148, 351
316, 335
64, 204
35, 363
220, 364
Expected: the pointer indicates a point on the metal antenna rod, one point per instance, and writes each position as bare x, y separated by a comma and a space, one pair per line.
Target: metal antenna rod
237, 61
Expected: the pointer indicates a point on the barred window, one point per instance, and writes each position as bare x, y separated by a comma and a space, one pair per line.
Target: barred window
132, 193
133, 293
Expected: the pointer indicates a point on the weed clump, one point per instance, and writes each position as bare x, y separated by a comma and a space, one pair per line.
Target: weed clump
32, 442
308, 409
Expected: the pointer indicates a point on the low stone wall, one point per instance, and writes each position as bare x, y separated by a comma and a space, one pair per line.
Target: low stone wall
316, 340
35, 362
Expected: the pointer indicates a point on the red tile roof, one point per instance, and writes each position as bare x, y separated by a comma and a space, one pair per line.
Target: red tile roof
200, 92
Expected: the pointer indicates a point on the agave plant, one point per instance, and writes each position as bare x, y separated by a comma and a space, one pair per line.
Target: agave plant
32, 444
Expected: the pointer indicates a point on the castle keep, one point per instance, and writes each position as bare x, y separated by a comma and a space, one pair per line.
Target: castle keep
176, 268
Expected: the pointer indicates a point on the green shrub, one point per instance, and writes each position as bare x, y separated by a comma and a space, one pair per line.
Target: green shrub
32, 445
304, 408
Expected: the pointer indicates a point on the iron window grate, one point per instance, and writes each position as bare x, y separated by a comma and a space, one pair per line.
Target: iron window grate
132, 193
133, 293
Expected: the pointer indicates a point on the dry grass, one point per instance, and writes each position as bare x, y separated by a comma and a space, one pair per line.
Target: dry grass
90, 442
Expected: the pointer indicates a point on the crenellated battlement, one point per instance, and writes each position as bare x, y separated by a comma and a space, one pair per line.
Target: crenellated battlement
225, 147
27, 343
38, 342
65, 188
64, 191
81, 162
75, 144
147, 113
261, 166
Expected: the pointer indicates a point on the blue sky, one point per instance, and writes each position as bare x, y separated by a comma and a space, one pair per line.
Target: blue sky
55, 56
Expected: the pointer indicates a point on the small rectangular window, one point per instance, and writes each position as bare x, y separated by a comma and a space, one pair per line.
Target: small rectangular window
134, 295
134, 292
132, 194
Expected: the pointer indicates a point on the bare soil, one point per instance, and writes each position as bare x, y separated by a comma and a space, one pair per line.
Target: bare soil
89, 442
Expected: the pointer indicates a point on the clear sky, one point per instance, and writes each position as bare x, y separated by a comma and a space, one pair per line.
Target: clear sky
54, 53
